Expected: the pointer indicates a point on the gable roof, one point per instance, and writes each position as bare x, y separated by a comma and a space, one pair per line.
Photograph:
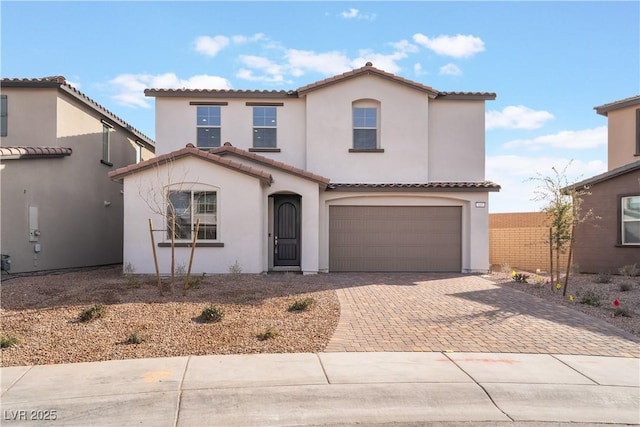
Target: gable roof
12, 153
368, 69
227, 148
61, 84
189, 151
613, 173
603, 110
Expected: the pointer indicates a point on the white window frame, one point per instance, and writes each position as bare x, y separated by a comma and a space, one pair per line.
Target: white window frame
624, 221
193, 213
107, 128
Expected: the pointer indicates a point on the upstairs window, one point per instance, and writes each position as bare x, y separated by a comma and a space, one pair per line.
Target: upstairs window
106, 143
365, 126
265, 123
3, 115
208, 124
188, 207
630, 220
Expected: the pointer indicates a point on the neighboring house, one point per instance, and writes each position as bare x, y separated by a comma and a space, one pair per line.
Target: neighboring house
613, 240
364, 171
59, 207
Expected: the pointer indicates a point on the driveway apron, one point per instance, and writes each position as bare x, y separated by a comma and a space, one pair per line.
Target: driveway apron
463, 313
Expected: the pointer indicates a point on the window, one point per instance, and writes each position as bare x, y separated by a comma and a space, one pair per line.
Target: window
3, 115
189, 207
631, 220
138, 152
365, 128
208, 124
106, 144
264, 127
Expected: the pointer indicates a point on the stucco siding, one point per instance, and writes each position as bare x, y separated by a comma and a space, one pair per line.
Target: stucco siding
31, 117
622, 137
456, 151
402, 126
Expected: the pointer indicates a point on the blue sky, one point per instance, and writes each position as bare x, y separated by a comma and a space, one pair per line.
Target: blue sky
549, 63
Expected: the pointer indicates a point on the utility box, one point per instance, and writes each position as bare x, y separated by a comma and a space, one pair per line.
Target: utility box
6, 263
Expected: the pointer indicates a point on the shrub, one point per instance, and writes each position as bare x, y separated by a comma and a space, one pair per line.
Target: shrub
235, 270
212, 314
94, 312
603, 277
135, 338
268, 334
591, 298
302, 304
629, 270
622, 311
7, 341
626, 286
520, 277
505, 267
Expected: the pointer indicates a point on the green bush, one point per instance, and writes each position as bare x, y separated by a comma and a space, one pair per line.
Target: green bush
268, 334
7, 341
603, 277
591, 298
622, 311
212, 314
135, 338
629, 270
520, 277
302, 304
94, 312
626, 286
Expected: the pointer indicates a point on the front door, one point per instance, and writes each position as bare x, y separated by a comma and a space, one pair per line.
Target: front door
286, 236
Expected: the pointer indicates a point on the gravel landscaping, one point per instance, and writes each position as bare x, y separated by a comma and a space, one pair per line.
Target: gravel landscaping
134, 321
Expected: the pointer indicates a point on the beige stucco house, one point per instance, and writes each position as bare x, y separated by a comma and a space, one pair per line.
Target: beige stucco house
613, 240
364, 171
59, 208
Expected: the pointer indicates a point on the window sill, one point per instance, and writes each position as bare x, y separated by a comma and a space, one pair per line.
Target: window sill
628, 245
106, 163
366, 150
188, 245
264, 150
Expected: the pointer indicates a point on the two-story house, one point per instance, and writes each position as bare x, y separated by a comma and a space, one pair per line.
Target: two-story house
612, 240
364, 171
59, 207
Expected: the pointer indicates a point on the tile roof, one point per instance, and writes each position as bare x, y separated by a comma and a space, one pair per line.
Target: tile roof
368, 69
429, 186
630, 167
627, 102
10, 153
60, 82
227, 148
189, 150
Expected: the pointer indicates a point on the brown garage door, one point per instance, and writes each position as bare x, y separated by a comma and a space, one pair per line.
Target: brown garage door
395, 238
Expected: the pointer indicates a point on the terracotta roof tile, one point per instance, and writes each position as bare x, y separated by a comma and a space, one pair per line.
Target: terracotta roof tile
229, 149
430, 186
61, 83
189, 150
8, 153
219, 93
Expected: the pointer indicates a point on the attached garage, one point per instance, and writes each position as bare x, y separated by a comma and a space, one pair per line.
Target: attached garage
395, 238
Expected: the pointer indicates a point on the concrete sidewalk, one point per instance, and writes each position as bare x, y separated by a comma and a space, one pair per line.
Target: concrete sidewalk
326, 389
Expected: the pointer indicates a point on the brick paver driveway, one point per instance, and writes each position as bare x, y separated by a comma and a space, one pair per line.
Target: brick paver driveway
437, 312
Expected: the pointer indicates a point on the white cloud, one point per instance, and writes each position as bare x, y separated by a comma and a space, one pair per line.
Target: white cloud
328, 63
450, 70
517, 117
567, 139
130, 87
247, 39
405, 46
417, 69
353, 13
210, 46
459, 46
514, 174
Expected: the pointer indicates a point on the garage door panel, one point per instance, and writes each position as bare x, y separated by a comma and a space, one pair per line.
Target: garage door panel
395, 238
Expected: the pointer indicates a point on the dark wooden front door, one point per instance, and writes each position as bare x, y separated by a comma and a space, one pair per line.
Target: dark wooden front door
286, 237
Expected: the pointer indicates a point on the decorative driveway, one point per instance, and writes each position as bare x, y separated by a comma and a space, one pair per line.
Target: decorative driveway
463, 313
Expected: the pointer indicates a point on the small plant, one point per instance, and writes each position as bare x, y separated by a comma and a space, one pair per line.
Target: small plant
94, 312
538, 280
575, 268
626, 286
505, 267
135, 338
520, 277
591, 298
181, 269
268, 334
212, 314
603, 277
235, 270
622, 311
629, 270
129, 271
302, 304
7, 341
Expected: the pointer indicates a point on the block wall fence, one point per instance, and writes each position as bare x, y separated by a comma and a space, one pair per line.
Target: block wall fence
520, 240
